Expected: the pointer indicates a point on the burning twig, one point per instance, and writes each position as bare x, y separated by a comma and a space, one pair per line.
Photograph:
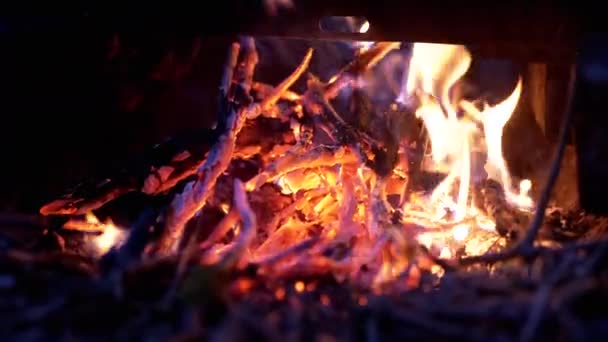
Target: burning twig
340, 130
268, 103
194, 196
75, 203
320, 156
222, 228
266, 89
247, 230
84, 226
279, 90
361, 64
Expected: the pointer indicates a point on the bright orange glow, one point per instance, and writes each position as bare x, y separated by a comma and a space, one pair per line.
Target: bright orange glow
299, 286
244, 285
225, 207
364, 27
110, 237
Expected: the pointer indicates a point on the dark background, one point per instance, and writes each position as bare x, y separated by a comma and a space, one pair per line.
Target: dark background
83, 91
75, 102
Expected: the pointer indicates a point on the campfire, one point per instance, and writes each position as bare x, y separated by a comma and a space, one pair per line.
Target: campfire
347, 203
341, 193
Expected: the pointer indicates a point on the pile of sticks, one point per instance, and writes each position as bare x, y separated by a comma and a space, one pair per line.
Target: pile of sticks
520, 292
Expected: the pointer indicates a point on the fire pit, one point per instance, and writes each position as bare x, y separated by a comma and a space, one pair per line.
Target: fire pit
354, 188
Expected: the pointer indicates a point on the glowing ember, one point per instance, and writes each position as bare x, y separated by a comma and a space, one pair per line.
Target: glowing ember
111, 235
299, 286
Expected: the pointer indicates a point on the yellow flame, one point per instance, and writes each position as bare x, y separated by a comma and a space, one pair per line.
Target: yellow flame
364, 27
225, 207
434, 69
494, 119
110, 237
91, 218
445, 253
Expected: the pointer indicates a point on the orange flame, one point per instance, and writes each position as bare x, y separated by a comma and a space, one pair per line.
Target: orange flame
110, 237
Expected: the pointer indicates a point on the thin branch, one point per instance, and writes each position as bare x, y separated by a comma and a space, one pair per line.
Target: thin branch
248, 227
279, 90
266, 89
320, 156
